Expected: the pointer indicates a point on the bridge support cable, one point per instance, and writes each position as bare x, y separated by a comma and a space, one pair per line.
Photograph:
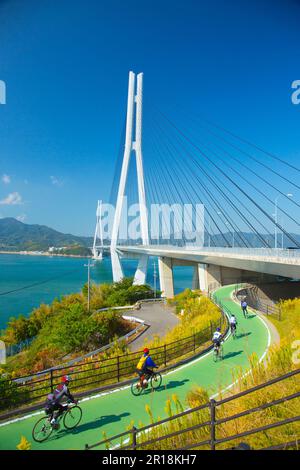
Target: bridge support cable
242, 215
250, 183
167, 176
163, 164
221, 209
158, 185
237, 186
266, 152
159, 196
252, 158
228, 200
201, 187
292, 201
187, 179
255, 187
218, 184
196, 118
118, 165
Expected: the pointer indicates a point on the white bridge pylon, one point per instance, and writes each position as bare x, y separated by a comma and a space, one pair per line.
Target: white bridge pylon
134, 112
98, 248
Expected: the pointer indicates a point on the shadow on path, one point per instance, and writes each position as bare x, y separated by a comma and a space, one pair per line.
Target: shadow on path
97, 423
243, 335
232, 354
168, 386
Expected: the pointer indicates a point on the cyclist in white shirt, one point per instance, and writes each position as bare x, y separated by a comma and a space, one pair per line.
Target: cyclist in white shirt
233, 323
217, 336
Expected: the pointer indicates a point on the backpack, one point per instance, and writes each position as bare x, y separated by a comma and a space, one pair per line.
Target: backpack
141, 363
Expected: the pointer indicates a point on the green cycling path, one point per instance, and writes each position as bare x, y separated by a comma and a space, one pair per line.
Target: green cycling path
114, 411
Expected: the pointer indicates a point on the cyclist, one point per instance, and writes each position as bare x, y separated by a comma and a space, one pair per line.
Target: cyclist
142, 367
244, 306
216, 339
53, 404
233, 323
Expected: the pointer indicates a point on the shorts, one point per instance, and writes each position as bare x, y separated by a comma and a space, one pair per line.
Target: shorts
144, 372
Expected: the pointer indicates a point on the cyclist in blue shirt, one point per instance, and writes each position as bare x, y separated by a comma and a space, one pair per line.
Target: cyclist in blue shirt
244, 306
143, 367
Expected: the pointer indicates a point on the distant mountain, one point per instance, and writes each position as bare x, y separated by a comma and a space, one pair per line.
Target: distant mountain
17, 236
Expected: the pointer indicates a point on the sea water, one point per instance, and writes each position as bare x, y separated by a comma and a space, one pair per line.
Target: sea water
41, 279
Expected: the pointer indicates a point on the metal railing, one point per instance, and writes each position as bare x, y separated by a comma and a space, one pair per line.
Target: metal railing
267, 253
140, 438
269, 308
94, 375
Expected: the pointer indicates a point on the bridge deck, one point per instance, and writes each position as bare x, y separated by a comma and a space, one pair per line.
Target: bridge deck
278, 262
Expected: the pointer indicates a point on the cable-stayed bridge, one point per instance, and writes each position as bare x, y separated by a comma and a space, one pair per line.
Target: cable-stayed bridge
197, 194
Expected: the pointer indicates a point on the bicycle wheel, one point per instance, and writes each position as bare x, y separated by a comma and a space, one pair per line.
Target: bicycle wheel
42, 429
72, 417
215, 354
221, 353
156, 380
136, 388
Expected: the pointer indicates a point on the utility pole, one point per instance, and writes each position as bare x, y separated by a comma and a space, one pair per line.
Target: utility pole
276, 219
89, 266
154, 278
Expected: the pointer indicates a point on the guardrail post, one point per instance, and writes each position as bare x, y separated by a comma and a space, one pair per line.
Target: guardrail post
134, 438
118, 368
165, 354
194, 342
212, 404
51, 380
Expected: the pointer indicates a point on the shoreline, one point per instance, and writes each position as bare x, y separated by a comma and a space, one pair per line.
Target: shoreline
45, 253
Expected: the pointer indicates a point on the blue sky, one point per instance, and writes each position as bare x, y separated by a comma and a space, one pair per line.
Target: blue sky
65, 64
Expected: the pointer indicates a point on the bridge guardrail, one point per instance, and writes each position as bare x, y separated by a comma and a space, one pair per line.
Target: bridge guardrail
276, 253
261, 305
209, 424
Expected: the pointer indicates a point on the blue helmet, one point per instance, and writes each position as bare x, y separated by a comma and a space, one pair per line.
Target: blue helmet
218, 329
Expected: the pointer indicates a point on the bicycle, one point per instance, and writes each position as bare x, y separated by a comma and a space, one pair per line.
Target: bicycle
155, 383
233, 330
218, 352
43, 428
245, 312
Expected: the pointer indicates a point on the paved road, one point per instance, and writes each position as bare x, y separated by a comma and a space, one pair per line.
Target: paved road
160, 318
114, 411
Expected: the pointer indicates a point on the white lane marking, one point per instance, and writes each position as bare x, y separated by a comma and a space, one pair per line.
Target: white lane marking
21, 419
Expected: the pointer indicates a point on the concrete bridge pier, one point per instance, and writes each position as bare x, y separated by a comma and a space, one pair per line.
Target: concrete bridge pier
141, 272
165, 269
206, 277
